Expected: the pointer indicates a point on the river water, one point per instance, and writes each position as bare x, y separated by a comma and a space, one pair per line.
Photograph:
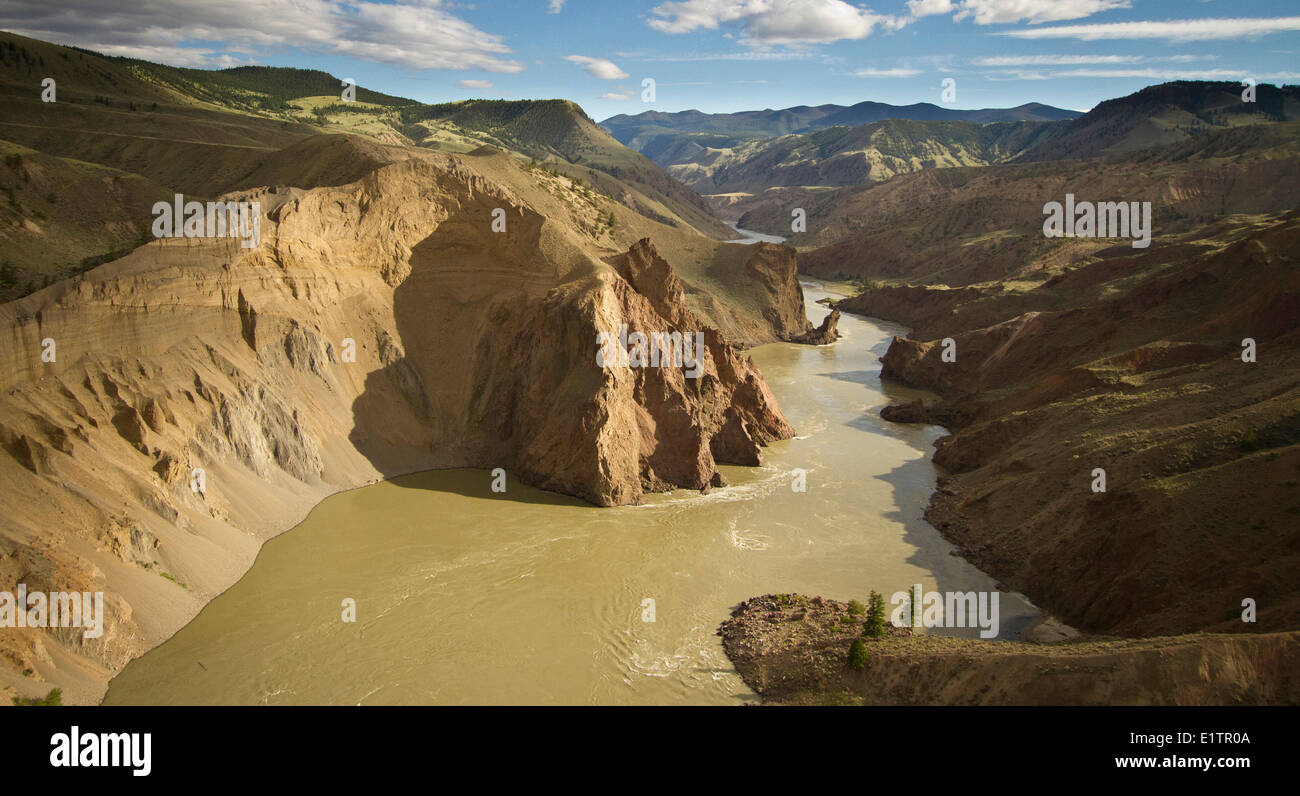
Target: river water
467, 596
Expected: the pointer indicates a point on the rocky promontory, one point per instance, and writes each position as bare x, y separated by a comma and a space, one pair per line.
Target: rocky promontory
794, 649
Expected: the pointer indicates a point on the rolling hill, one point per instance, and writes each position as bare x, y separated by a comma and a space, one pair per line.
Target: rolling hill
1165, 114
157, 129
843, 156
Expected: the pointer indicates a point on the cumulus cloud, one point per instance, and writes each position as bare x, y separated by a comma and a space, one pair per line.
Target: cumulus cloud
556, 7
926, 8
479, 84
989, 12
414, 35
196, 57
1173, 30
598, 67
774, 22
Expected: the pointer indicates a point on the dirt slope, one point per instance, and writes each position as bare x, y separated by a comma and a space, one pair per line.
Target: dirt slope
1131, 363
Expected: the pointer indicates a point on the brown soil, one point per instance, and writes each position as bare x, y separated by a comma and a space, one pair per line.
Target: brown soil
1130, 363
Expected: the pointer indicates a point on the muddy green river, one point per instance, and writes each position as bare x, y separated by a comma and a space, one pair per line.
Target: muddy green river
466, 596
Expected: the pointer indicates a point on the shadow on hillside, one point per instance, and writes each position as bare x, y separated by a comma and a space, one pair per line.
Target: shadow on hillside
912, 484
426, 409
477, 483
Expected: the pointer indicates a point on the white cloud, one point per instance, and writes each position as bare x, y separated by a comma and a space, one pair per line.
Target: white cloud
1155, 74
196, 57
613, 96
991, 12
1172, 30
1168, 74
1084, 60
1055, 60
925, 8
422, 34
774, 22
556, 7
896, 72
598, 67
746, 55
479, 84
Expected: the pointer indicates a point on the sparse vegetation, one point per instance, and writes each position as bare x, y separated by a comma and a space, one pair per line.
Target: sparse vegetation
859, 655
53, 699
173, 579
875, 626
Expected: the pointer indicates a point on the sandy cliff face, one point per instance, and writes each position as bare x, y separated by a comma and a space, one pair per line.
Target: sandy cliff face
763, 300
380, 327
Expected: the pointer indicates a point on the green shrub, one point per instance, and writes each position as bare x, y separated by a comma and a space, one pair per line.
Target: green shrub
875, 627
52, 699
856, 608
859, 656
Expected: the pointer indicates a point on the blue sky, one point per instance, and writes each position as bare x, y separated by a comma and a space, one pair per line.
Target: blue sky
713, 55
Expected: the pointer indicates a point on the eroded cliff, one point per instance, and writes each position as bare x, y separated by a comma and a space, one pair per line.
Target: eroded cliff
201, 397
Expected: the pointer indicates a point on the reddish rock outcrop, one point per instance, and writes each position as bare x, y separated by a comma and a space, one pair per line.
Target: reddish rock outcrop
825, 334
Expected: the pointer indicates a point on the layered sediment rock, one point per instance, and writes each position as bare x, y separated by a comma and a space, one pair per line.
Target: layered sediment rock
203, 396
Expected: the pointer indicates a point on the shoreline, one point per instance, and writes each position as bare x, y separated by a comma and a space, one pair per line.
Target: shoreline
719, 610
302, 519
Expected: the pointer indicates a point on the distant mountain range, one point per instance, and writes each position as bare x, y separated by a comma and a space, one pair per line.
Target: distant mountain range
744, 161
637, 131
827, 145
